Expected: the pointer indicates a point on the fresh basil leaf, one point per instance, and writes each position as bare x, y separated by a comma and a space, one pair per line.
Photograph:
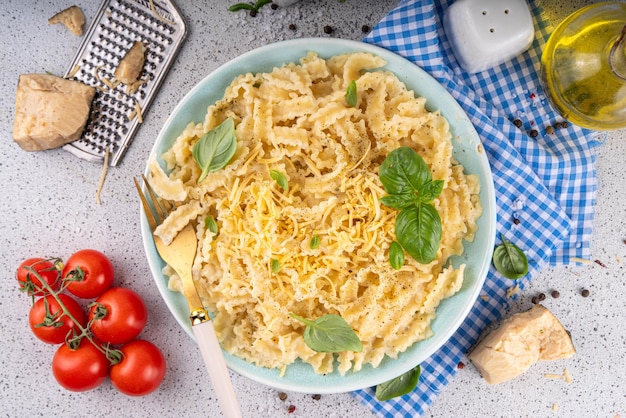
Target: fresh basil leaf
249, 6
211, 224
407, 178
351, 96
398, 201
396, 255
241, 6
275, 266
430, 191
216, 148
510, 260
280, 178
398, 386
418, 230
403, 171
329, 334
315, 242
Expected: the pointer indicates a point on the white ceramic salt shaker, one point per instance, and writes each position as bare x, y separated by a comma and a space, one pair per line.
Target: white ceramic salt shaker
486, 33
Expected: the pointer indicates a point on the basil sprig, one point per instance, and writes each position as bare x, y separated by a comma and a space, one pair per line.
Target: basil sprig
315, 241
396, 255
211, 224
275, 265
280, 178
214, 150
407, 179
510, 260
351, 96
398, 386
249, 6
329, 333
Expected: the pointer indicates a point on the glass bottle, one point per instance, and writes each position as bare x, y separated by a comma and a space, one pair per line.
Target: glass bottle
583, 67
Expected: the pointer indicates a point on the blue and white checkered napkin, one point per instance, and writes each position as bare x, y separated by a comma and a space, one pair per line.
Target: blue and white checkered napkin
548, 183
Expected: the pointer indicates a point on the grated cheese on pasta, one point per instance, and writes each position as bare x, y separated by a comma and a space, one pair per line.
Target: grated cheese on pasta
295, 120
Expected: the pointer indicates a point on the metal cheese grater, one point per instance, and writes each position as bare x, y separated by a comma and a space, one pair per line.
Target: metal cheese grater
117, 108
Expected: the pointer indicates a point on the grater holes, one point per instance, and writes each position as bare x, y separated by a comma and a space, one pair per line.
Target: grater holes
153, 56
152, 20
114, 115
140, 26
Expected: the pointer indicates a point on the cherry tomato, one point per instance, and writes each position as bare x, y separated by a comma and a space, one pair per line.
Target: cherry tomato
31, 283
141, 370
118, 315
88, 273
82, 368
49, 323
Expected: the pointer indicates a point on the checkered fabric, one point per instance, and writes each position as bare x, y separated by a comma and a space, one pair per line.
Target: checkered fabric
545, 186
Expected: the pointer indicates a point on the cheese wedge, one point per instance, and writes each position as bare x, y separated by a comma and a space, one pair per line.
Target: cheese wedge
50, 111
521, 341
72, 18
131, 65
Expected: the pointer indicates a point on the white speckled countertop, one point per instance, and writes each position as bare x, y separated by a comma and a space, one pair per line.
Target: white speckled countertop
48, 208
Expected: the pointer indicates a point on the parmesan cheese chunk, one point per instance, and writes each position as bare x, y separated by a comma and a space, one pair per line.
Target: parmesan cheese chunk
131, 65
72, 18
50, 111
521, 341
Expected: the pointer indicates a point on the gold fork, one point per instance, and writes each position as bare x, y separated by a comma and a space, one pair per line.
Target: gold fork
180, 255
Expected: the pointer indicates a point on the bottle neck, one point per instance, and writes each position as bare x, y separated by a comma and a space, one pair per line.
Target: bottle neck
617, 56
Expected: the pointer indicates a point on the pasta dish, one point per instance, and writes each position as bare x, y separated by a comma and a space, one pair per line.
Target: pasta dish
260, 265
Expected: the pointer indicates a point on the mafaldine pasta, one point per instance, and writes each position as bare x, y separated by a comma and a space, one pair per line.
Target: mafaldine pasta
260, 267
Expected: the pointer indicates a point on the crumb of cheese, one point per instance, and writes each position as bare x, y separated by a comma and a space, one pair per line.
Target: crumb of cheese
565, 376
512, 291
72, 18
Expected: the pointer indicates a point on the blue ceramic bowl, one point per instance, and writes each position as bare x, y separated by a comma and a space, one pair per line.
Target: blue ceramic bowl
468, 150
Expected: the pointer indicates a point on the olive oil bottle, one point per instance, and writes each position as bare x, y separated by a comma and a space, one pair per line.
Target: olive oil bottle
583, 67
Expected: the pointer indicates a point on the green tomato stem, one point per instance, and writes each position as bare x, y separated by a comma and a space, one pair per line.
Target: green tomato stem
114, 356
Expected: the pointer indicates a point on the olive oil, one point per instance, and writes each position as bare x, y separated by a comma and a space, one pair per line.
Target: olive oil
583, 67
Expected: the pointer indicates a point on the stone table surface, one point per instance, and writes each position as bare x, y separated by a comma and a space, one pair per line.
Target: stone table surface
49, 208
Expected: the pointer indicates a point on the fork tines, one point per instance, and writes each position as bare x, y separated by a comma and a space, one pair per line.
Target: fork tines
155, 208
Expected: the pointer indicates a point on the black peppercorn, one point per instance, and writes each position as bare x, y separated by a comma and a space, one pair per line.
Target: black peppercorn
253, 13
565, 124
534, 133
317, 397
274, 6
365, 28
517, 123
555, 294
282, 396
328, 29
558, 125
292, 26
584, 293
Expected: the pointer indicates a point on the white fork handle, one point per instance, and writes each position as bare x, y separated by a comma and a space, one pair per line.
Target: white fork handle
216, 366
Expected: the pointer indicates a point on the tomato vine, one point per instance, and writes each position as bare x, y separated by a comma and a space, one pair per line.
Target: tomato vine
97, 344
